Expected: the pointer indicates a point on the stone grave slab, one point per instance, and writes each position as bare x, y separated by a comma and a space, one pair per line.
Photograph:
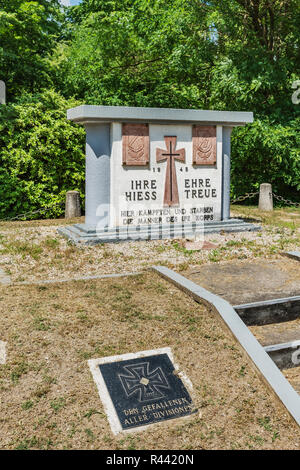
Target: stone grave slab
142, 389
241, 282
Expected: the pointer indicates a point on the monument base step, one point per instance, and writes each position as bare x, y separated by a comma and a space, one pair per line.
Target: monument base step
83, 234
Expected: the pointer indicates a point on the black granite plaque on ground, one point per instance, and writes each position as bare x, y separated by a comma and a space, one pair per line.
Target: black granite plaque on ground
146, 390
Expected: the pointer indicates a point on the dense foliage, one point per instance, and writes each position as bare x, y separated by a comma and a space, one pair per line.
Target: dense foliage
29, 32
140, 53
234, 54
40, 153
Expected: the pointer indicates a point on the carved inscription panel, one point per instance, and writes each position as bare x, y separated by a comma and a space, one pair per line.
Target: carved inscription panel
135, 144
204, 145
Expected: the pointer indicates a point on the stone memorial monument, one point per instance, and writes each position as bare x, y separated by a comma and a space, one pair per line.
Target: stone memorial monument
155, 173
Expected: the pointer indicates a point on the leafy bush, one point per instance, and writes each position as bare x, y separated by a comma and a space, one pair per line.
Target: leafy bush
29, 31
41, 154
265, 152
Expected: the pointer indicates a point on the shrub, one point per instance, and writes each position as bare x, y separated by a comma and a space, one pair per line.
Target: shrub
41, 154
265, 152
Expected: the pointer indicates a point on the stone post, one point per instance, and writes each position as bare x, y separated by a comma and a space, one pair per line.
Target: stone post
2, 92
226, 173
97, 185
265, 197
72, 205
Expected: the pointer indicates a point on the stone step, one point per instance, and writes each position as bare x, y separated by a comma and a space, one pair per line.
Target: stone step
84, 234
277, 333
285, 355
293, 376
270, 311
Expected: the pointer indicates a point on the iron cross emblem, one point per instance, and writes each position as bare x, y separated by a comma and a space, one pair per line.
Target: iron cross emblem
143, 382
171, 197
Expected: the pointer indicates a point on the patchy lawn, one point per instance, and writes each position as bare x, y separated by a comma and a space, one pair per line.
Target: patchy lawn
48, 397
33, 250
284, 217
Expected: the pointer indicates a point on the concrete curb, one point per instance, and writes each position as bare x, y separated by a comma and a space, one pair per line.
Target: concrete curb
278, 347
264, 365
4, 279
3, 352
266, 303
292, 254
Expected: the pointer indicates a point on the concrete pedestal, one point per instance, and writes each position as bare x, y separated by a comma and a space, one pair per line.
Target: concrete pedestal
81, 233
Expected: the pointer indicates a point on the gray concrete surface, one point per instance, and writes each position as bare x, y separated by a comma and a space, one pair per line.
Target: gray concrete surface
90, 113
249, 281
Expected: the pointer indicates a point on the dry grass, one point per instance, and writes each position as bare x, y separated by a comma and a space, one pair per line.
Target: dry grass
283, 217
48, 397
33, 250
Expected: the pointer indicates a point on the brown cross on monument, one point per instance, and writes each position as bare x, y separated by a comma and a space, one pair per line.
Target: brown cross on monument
171, 197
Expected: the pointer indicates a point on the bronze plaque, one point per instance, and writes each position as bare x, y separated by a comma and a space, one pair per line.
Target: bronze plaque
204, 145
135, 143
146, 390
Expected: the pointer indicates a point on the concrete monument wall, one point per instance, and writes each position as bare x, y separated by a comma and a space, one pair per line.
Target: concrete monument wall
155, 173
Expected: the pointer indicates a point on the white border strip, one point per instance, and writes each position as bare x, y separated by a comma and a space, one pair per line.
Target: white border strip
266, 303
264, 364
292, 254
3, 352
280, 346
104, 393
4, 278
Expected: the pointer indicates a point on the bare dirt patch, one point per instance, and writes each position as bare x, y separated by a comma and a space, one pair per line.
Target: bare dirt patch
48, 397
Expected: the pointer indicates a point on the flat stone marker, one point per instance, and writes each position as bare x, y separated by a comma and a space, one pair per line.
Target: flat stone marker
141, 389
199, 245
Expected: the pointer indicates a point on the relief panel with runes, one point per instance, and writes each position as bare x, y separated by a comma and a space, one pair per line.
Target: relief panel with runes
135, 144
204, 145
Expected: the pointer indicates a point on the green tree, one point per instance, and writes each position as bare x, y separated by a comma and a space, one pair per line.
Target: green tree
234, 55
29, 31
229, 54
257, 62
143, 53
258, 56
41, 154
